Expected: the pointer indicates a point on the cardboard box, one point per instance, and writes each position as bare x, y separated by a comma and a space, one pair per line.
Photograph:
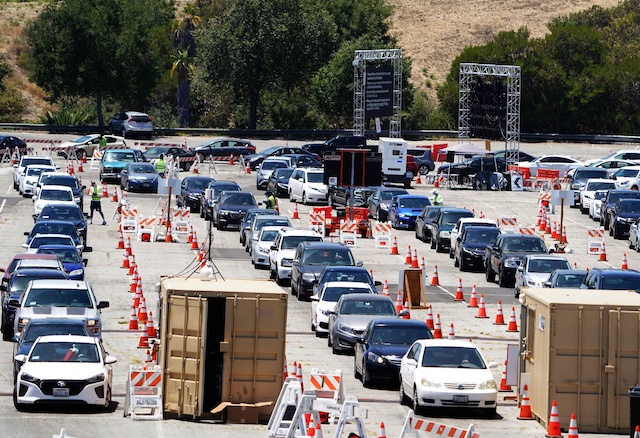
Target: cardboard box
240, 413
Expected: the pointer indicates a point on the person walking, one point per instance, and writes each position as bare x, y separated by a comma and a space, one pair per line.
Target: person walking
271, 200
437, 198
96, 195
161, 165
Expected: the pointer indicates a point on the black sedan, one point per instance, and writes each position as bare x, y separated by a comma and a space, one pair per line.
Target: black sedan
217, 187
224, 148
8, 143
623, 213
424, 220
191, 190
278, 182
54, 227
379, 201
472, 245
185, 157
276, 151
231, 208
65, 212
378, 352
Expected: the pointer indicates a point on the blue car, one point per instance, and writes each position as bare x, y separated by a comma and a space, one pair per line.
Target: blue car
43, 327
65, 212
404, 210
379, 350
248, 218
70, 257
139, 177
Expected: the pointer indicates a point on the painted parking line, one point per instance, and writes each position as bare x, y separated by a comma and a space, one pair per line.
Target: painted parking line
4, 202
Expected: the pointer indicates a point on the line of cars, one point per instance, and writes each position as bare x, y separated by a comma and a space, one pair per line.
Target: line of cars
49, 312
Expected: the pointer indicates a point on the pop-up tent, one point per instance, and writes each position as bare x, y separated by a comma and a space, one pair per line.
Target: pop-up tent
465, 149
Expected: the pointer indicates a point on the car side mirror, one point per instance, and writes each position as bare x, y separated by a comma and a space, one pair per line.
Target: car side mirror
315, 298
26, 233
331, 312
296, 262
403, 312
361, 341
34, 197
103, 304
20, 358
273, 248
377, 283
13, 302
15, 339
83, 187
359, 263
109, 360
24, 245
546, 284
84, 262
87, 249
520, 269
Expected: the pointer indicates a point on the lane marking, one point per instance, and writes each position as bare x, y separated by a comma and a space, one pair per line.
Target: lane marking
4, 202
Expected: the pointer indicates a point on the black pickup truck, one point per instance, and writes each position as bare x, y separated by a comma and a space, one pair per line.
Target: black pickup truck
504, 257
339, 195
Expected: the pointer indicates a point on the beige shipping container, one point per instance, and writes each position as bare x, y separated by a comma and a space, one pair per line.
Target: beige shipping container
582, 349
220, 342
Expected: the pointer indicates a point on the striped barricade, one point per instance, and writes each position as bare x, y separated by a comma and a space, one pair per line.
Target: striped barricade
96, 157
595, 236
529, 231
349, 233
328, 385
317, 222
129, 220
144, 393
180, 221
508, 224
147, 228
381, 232
413, 425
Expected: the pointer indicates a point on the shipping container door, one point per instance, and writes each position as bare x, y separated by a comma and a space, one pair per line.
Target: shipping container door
183, 368
623, 365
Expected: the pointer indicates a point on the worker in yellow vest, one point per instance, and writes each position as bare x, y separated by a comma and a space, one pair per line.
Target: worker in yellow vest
96, 195
161, 165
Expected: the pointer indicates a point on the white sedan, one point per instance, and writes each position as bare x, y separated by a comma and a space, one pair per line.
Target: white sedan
444, 373
593, 185
83, 146
327, 298
262, 246
64, 369
52, 195
49, 239
595, 207
563, 163
30, 178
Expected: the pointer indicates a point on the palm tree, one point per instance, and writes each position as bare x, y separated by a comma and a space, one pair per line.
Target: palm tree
184, 52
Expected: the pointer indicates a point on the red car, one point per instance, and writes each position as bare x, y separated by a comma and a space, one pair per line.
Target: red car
9, 270
412, 166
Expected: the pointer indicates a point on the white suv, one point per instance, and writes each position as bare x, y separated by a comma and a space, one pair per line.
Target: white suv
284, 248
31, 176
307, 184
131, 123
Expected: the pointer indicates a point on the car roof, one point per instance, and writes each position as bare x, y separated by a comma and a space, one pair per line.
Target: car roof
600, 180
288, 231
608, 272
76, 339
50, 235
471, 228
365, 297
479, 220
455, 209
398, 322
359, 284
67, 284
24, 255
519, 236
55, 187
38, 272
412, 196
447, 343
57, 246
194, 177
345, 268
570, 271
545, 257
323, 245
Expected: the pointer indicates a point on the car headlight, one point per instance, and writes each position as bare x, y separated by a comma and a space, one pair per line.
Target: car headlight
403, 215
308, 276
223, 213
325, 312
510, 263
575, 186
533, 283
29, 378
467, 251
345, 328
282, 185
313, 189
193, 195
488, 384
22, 322
384, 207
263, 250
95, 379
621, 219
372, 357
75, 272
429, 383
444, 234
286, 262
623, 183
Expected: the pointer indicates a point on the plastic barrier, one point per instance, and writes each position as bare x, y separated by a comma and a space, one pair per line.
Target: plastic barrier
328, 385
129, 220
594, 240
144, 393
381, 232
508, 224
530, 231
317, 222
413, 425
96, 157
349, 233
180, 222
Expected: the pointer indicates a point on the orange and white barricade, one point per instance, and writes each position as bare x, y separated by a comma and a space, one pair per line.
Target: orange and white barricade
595, 237
317, 222
349, 233
529, 231
143, 400
327, 385
413, 425
96, 157
147, 229
180, 221
381, 232
508, 224
129, 220
544, 199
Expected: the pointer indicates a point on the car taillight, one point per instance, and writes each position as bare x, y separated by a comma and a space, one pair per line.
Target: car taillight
130, 119
150, 119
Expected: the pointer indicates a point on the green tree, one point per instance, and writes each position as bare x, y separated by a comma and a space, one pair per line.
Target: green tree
257, 45
112, 49
184, 51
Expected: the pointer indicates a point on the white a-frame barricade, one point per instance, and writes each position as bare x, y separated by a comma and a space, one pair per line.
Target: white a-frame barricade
143, 400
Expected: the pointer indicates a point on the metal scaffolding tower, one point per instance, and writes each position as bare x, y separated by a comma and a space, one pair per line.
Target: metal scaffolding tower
512, 73
394, 56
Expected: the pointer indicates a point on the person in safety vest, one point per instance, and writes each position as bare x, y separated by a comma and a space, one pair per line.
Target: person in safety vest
96, 195
103, 142
271, 200
161, 165
437, 198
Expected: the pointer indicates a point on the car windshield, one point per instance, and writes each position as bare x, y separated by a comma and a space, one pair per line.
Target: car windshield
250, 215
64, 352
569, 280
590, 173
119, 156
618, 282
542, 265
399, 335
54, 180
35, 171
452, 357
360, 275
198, 184
82, 139
413, 202
630, 206
33, 332
451, 218
56, 195
49, 228
613, 197
238, 199
284, 174
143, 168
63, 213
593, 186
328, 257
333, 294
38, 241
58, 298
268, 235
488, 236
29, 161
269, 151
66, 255
315, 177
270, 165
271, 222
291, 242
375, 307
525, 245
388, 195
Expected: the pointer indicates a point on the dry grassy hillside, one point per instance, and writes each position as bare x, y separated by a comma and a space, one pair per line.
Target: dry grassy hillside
431, 32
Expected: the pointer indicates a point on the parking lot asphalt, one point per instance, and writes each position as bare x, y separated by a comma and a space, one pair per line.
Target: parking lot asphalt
111, 283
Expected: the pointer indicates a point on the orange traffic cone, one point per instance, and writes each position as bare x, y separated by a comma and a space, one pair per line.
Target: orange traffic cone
144, 339
554, 231
231, 160
603, 253
318, 427
190, 236
134, 281
459, 295
80, 169
299, 376
418, 180
247, 169
422, 265
132, 264
151, 328
564, 235
499, 315
311, 430
399, 302
133, 321
573, 425
285, 370
452, 333
525, 407
383, 432
407, 260
482, 311
625, 265
89, 189
474, 297
407, 309
553, 430
120, 241
437, 331
371, 274
637, 432
147, 358
547, 229
70, 169
137, 298
84, 159
503, 380
385, 289
168, 237
194, 242
142, 314
543, 222
105, 190
414, 260
125, 261
114, 198
394, 247
434, 279
429, 320
296, 215
127, 247
513, 324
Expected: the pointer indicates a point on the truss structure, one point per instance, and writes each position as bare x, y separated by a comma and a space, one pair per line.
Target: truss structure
394, 57
514, 84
